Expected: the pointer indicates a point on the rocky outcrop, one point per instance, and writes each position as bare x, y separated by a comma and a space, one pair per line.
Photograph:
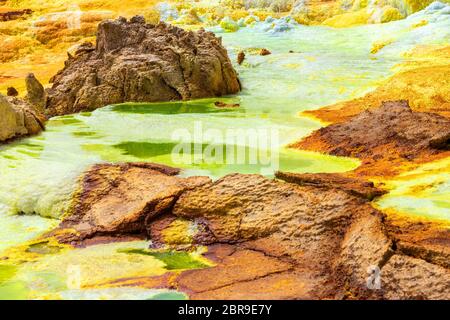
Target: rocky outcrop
267, 238
35, 92
18, 118
118, 199
138, 62
328, 240
387, 136
424, 83
11, 14
12, 92
354, 186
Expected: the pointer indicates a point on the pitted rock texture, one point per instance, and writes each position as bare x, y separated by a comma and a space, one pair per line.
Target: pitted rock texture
268, 239
138, 62
330, 239
18, 119
12, 14
117, 199
383, 138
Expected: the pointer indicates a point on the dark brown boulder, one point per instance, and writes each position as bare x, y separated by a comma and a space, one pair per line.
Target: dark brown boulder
12, 92
11, 14
138, 62
240, 57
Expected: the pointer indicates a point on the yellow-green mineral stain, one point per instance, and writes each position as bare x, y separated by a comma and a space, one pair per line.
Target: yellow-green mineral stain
173, 260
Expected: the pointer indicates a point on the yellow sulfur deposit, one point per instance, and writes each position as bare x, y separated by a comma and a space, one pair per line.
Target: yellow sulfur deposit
348, 19
179, 232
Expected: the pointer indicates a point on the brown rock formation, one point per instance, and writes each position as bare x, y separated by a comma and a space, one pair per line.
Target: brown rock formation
420, 238
18, 118
12, 14
35, 92
383, 138
354, 186
425, 84
264, 52
12, 92
139, 62
118, 199
268, 238
240, 57
305, 241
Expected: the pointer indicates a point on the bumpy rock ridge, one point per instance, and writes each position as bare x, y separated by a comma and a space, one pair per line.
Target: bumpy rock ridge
269, 239
386, 137
138, 62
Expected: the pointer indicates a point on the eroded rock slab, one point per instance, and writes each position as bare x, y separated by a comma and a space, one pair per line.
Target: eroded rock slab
18, 119
330, 240
384, 138
405, 277
118, 199
267, 239
138, 62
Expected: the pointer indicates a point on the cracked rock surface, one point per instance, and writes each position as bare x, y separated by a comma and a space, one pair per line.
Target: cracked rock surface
268, 239
18, 118
384, 138
138, 62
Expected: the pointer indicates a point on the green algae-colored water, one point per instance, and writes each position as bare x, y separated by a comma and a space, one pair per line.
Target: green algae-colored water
87, 273
309, 67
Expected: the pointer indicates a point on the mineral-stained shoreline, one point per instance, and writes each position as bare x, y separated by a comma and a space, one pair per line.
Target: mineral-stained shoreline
316, 237
137, 62
387, 139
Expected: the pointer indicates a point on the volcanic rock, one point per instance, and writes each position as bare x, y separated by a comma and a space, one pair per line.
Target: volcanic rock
354, 186
389, 135
240, 57
138, 62
18, 118
12, 92
35, 92
264, 52
324, 240
118, 199
267, 238
11, 14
